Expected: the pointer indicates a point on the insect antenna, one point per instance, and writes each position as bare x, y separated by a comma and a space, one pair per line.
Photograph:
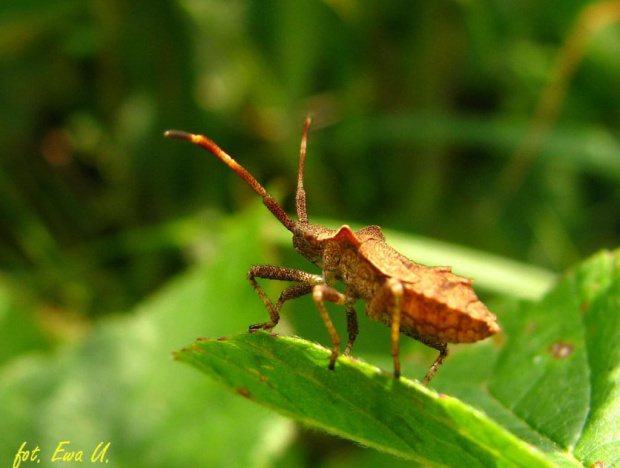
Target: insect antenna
210, 146
300, 197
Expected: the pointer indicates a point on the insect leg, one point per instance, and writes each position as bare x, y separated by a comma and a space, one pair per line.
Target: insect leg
443, 354
306, 282
321, 293
396, 292
352, 328
439, 345
389, 298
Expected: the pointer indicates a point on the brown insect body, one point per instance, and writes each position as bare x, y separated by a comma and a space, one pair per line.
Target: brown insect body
429, 304
436, 305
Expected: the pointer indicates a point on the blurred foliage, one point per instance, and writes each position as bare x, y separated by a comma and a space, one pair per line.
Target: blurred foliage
481, 123
419, 108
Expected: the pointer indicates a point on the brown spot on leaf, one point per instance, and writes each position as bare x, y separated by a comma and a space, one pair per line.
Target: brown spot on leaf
203, 338
222, 338
598, 464
561, 349
262, 378
244, 392
584, 307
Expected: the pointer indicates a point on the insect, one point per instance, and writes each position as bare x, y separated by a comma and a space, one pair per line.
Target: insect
429, 304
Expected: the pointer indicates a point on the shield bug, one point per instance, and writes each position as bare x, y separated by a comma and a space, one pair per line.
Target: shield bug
429, 304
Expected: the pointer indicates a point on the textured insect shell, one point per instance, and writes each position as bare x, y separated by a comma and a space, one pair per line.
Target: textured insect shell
437, 304
309, 240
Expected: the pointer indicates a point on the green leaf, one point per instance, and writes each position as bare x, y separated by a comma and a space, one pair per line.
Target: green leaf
547, 392
560, 369
358, 401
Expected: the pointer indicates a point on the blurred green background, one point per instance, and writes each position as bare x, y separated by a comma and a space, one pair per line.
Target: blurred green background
488, 124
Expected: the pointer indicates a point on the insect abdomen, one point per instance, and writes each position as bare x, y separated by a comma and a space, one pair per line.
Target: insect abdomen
439, 320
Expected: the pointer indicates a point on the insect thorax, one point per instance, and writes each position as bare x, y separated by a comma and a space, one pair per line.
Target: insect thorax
359, 275
309, 240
